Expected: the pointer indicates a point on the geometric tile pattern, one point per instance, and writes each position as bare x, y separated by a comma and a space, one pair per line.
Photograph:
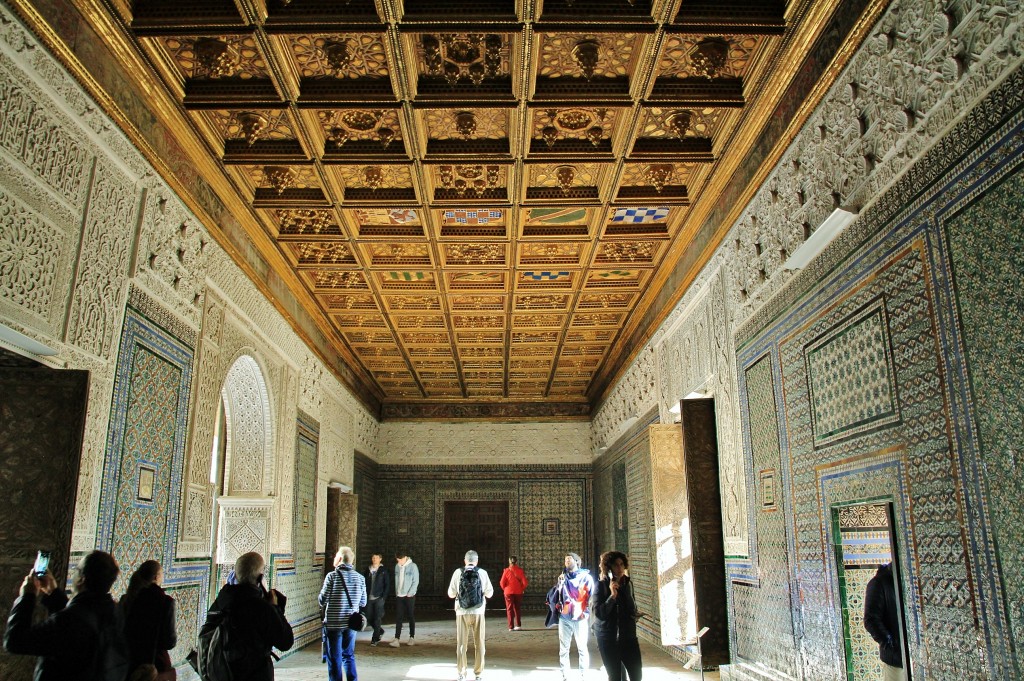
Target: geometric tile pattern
986, 244
864, 664
956, 592
767, 634
865, 545
410, 515
147, 434
300, 574
849, 376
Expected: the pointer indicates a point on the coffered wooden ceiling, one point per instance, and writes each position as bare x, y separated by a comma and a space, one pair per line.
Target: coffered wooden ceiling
477, 200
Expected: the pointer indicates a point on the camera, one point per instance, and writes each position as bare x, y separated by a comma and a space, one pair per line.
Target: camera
42, 564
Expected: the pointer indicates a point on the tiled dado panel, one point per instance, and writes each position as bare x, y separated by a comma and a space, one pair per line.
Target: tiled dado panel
548, 516
902, 278
764, 632
364, 485
300, 575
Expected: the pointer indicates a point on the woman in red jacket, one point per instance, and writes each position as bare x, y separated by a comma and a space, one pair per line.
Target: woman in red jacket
513, 583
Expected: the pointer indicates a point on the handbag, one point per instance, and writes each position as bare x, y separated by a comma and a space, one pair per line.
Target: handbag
357, 620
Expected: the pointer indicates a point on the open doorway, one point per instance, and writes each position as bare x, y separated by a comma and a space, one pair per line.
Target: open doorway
864, 542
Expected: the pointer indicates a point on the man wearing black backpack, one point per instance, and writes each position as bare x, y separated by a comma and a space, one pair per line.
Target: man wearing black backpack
81, 640
253, 623
470, 587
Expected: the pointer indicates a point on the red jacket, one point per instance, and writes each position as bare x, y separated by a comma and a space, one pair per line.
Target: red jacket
513, 580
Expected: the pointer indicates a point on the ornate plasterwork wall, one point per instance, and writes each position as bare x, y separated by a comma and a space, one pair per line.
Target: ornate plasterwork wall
404, 442
925, 64
83, 221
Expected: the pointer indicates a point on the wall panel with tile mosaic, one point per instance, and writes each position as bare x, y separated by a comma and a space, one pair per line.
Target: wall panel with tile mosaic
871, 376
548, 515
627, 517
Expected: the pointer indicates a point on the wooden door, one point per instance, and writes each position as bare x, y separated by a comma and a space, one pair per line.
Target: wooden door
483, 527
42, 419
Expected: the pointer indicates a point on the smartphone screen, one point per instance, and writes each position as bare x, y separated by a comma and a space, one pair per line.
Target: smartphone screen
42, 563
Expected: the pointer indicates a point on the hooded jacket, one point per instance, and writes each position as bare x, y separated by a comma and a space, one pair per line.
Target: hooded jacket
408, 586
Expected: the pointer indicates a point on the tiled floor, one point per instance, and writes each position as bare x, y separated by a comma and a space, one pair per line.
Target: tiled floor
531, 653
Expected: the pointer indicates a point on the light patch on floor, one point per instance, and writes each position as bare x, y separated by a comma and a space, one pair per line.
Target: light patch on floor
527, 655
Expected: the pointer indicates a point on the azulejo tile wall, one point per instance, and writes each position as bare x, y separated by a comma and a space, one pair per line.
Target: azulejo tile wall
407, 513
906, 404
987, 254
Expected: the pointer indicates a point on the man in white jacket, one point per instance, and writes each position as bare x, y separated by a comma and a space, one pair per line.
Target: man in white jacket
407, 580
470, 587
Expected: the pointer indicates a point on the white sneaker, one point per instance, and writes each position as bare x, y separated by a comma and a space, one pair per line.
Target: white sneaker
411, 642
395, 643
517, 628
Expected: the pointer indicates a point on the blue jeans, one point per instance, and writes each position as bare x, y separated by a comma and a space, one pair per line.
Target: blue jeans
341, 653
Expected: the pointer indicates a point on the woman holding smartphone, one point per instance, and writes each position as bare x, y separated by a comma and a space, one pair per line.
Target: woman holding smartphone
616, 615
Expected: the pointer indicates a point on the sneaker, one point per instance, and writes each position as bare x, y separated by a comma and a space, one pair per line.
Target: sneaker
517, 629
374, 643
411, 642
462, 677
395, 643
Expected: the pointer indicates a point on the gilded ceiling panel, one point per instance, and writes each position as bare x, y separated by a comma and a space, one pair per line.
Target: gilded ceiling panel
474, 255
253, 125
313, 254
564, 176
216, 57
548, 253
397, 254
463, 124
373, 177
541, 301
340, 126
688, 56
475, 280
463, 57
578, 123
339, 55
348, 302
611, 55
475, 197
466, 303
306, 222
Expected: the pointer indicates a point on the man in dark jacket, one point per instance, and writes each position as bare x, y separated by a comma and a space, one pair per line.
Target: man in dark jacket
258, 616
67, 642
882, 620
378, 586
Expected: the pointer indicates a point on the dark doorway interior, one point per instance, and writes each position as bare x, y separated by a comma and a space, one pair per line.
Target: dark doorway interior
483, 527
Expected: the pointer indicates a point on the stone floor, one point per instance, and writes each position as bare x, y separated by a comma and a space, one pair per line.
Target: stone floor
531, 653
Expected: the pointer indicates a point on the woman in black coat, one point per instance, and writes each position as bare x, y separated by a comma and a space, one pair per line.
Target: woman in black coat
616, 615
148, 615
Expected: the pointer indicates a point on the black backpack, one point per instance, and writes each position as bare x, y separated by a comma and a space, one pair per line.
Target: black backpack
471, 591
113, 660
225, 653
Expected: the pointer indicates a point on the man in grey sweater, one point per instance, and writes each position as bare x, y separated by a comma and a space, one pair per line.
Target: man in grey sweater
407, 580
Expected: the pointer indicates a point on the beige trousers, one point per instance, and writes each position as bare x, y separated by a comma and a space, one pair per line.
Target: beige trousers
470, 629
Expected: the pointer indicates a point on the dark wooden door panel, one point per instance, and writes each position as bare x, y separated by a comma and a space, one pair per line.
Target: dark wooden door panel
483, 527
